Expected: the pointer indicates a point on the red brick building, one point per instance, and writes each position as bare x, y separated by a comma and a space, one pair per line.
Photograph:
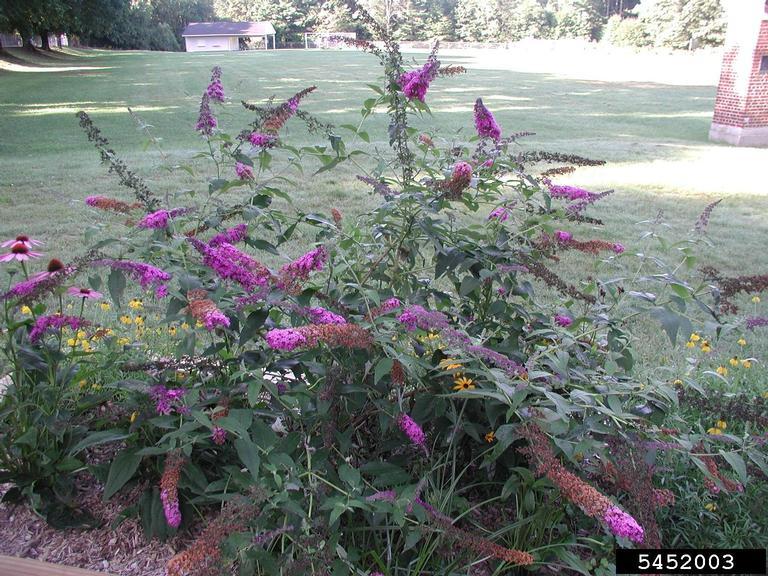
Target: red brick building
741, 107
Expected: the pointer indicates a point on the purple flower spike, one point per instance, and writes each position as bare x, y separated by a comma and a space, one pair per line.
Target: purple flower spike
624, 525
485, 123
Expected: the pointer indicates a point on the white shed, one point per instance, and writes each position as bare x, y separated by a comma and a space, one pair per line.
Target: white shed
225, 36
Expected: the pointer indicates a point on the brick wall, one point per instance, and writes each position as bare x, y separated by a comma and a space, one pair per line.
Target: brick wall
742, 94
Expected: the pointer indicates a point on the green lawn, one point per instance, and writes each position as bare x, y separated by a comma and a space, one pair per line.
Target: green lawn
653, 135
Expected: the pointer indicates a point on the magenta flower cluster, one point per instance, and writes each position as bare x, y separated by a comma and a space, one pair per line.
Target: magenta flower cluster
568, 192
229, 263
563, 236
170, 509
243, 171
320, 315
415, 316
286, 339
168, 400
500, 213
206, 121
219, 435
230, 236
54, 322
215, 89
214, 319
260, 140
756, 322
624, 525
146, 275
301, 268
485, 123
416, 82
159, 219
411, 429
563, 320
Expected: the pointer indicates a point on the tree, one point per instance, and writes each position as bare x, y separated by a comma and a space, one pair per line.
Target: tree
478, 20
176, 14
578, 19
704, 22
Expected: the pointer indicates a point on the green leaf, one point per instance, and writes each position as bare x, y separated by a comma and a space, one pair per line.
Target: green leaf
249, 455
670, 321
383, 367
254, 391
252, 324
123, 468
468, 285
737, 463
29, 438
116, 285
99, 438
349, 475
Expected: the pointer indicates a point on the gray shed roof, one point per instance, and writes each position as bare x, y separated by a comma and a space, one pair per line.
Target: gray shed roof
228, 29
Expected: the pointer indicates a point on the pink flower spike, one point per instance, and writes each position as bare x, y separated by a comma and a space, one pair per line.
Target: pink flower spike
85, 293
624, 525
485, 123
243, 171
19, 252
563, 236
23, 239
563, 320
618, 248
414, 432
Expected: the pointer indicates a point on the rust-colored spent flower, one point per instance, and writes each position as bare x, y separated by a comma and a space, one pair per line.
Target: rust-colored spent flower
204, 554
205, 311
337, 335
111, 205
397, 373
278, 116
169, 489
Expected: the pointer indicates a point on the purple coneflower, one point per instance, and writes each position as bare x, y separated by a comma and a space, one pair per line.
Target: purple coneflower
19, 252
85, 293
485, 123
22, 239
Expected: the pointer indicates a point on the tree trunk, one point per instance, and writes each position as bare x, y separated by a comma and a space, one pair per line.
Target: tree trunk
45, 40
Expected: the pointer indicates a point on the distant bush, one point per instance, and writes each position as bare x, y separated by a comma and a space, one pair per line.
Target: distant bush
626, 32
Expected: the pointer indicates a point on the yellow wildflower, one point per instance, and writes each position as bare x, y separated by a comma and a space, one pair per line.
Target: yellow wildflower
734, 361
123, 341
433, 336
172, 330
721, 424
756, 299
106, 306
705, 347
464, 383
198, 324
714, 431
746, 364
26, 310
136, 304
96, 387
678, 382
86, 346
139, 321
722, 370
71, 342
125, 319
741, 342
82, 384
695, 337
490, 436
690, 344
81, 334
711, 506
134, 415
765, 394
185, 326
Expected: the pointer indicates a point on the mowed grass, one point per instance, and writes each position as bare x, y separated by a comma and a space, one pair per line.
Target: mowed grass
653, 136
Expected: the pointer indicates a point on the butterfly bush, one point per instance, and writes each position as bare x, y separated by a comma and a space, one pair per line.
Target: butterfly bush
418, 360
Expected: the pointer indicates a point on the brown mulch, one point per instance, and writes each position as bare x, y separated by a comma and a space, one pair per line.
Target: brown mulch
122, 551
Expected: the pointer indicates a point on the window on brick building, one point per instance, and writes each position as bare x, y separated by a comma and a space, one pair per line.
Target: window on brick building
764, 64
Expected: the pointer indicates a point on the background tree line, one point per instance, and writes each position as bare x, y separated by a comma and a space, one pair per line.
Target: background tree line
158, 24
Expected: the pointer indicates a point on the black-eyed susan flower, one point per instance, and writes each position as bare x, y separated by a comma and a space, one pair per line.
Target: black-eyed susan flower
705, 347
722, 371
136, 304
722, 424
677, 382
449, 364
125, 319
734, 361
490, 437
710, 506
741, 342
463, 383
695, 337
106, 306
172, 330
26, 310
139, 321
746, 364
